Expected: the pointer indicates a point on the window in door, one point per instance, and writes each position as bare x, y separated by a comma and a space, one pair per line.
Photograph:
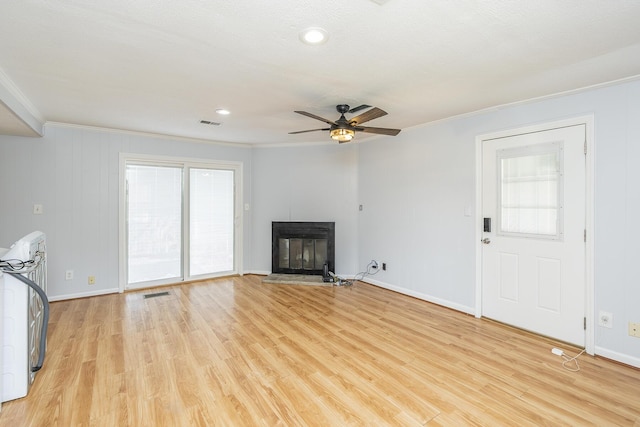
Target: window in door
530, 191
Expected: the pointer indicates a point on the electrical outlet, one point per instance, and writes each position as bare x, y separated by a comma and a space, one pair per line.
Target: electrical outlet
384, 266
605, 319
634, 329
68, 275
92, 280
374, 264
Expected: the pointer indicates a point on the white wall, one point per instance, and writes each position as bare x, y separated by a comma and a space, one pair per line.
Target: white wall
306, 183
415, 191
417, 187
73, 173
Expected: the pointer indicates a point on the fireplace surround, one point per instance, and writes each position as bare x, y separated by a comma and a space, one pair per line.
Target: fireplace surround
302, 247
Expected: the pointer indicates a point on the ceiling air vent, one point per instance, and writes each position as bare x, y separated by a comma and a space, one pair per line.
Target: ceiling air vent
207, 122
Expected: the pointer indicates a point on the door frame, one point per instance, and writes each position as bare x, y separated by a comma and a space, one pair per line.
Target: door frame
236, 166
588, 122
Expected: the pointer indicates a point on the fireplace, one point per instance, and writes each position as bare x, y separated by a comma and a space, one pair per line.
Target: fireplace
302, 247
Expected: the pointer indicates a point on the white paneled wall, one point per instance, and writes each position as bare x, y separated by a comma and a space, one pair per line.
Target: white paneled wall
73, 173
415, 191
306, 183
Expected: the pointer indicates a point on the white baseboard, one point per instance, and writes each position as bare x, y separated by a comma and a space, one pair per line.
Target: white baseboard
424, 297
618, 357
83, 294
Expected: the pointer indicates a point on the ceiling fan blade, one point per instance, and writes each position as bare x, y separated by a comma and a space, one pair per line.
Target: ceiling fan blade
361, 107
374, 113
310, 130
381, 131
313, 116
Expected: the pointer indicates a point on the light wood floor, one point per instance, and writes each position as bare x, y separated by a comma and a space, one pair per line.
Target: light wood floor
236, 352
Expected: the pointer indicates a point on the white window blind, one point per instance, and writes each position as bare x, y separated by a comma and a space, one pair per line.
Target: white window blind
530, 191
211, 221
154, 222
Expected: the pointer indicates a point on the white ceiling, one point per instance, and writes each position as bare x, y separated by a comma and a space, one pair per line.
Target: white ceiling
161, 66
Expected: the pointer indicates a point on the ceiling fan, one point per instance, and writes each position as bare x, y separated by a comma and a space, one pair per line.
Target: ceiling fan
343, 130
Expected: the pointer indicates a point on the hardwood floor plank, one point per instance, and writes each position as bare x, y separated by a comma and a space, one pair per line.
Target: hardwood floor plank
235, 352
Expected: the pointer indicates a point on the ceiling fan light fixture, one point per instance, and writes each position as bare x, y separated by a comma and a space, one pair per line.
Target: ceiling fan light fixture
313, 35
342, 135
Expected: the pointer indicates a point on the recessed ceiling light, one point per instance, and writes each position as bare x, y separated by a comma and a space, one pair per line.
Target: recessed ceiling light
223, 111
314, 35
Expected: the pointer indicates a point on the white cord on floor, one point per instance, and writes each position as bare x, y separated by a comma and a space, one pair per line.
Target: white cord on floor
568, 360
372, 268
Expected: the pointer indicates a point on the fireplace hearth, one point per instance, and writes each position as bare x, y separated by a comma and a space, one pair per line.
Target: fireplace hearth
302, 247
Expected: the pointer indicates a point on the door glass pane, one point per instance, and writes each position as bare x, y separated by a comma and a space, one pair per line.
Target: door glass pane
154, 223
295, 253
308, 254
211, 239
283, 253
321, 253
530, 190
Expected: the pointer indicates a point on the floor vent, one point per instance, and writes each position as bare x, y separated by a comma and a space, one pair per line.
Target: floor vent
157, 294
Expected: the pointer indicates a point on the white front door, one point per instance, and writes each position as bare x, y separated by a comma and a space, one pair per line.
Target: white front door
533, 257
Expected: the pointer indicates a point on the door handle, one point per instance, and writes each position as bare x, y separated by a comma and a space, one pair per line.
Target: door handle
486, 240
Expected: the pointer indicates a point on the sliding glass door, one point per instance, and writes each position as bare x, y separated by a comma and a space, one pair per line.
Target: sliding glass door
154, 223
180, 222
210, 221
